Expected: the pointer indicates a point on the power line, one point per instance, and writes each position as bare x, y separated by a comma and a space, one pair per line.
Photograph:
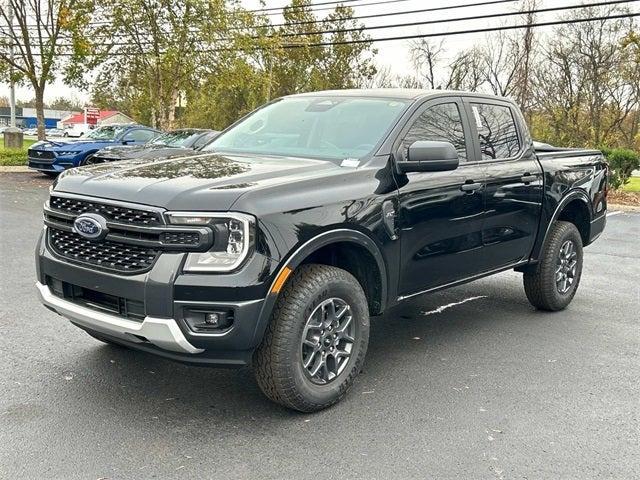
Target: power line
428, 22
451, 20
364, 17
302, 7
411, 37
462, 32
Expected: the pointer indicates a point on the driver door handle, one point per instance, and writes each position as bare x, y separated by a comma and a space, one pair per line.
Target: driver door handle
470, 186
528, 178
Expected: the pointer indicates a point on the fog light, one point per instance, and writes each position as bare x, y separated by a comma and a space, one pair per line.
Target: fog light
212, 319
208, 320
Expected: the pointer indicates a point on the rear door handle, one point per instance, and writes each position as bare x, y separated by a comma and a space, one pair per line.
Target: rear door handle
528, 178
470, 186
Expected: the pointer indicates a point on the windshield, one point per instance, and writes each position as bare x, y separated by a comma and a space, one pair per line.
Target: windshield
104, 133
334, 128
179, 138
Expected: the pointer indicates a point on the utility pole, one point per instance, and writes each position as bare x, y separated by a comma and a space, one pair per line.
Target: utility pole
12, 85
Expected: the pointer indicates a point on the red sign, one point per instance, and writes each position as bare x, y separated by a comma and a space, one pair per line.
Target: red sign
91, 115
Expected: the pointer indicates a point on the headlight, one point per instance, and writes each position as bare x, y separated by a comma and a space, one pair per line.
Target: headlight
67, 153
233, 239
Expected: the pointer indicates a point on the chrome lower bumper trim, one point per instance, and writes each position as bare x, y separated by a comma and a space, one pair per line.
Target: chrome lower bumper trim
162, 332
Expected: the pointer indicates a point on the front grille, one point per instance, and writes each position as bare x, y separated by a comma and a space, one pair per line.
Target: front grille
115, 213
40, 154
107, 255
121, 306
180, 238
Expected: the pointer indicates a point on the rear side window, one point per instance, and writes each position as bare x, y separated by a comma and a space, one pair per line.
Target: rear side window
439, 123
497, 131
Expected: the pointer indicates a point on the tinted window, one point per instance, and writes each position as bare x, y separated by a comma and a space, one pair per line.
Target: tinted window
204, 139
497, 131
440, 123
140, 135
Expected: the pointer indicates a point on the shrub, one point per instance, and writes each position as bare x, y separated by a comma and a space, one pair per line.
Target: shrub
621, 163
12, 157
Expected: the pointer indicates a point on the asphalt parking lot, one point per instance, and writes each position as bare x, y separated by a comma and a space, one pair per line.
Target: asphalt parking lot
468, 383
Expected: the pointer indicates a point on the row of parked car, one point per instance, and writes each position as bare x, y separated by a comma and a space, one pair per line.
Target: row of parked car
50, 132
115, 142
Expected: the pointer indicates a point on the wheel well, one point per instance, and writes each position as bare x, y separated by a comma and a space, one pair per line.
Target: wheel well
577, 213
359, 262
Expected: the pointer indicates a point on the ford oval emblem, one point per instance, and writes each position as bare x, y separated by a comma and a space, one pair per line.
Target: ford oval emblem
92, 227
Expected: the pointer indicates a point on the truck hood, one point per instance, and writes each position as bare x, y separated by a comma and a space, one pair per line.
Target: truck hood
201, 182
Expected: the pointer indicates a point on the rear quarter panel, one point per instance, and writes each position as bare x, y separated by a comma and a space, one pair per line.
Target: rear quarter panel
570, 175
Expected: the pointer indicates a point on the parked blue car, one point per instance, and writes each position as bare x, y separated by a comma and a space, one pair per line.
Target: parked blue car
55, 156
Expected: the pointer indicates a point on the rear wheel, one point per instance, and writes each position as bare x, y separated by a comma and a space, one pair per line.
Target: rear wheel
553, 283
316, 341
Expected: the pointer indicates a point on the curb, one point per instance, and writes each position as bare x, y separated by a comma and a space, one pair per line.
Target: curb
16, 169
623, 208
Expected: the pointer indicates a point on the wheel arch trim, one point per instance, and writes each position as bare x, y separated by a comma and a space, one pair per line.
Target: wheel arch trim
575, 194
338, 235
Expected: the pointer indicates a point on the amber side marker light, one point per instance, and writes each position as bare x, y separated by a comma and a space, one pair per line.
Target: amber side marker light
282, 277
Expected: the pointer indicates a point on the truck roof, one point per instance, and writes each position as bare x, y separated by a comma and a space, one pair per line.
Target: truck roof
391, 93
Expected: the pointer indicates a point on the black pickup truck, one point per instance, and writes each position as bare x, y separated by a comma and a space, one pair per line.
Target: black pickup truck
275, 245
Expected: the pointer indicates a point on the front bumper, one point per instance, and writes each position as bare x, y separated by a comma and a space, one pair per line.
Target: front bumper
53, 165
167, 293
161, 332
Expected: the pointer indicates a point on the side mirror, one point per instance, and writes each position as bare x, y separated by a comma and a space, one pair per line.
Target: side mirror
429, 156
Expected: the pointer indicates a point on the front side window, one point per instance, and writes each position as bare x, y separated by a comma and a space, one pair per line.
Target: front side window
324, 127
497, 131
439, 123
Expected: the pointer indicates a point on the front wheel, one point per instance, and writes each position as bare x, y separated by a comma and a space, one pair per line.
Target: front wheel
553, 283
88, 160
316, 341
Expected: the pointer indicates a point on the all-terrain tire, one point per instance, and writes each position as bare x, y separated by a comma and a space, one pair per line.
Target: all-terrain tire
540, 284
278, 360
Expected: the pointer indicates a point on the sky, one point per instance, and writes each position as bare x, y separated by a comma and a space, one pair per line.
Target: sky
394, 54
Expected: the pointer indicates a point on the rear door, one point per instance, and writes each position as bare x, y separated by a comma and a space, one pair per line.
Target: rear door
514, 181
441, 224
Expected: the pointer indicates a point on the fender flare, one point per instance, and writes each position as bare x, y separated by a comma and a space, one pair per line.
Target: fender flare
575, 194
307, 248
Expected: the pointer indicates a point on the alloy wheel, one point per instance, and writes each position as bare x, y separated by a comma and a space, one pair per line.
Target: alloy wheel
566, 266
327, 340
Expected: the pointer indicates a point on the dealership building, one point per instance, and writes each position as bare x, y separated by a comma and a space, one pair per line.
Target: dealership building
26, 117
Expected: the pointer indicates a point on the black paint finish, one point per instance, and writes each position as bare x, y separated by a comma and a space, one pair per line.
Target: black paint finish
450, 227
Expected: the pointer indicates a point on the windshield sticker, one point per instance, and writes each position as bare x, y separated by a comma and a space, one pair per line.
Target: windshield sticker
350, 162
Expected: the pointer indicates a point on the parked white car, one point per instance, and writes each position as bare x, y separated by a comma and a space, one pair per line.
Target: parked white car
77, 130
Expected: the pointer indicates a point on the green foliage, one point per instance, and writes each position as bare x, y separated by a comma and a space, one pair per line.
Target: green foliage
13, 156
222, 60
622, 162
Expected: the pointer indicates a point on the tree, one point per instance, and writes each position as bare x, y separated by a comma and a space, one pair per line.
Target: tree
31, 34
586, 84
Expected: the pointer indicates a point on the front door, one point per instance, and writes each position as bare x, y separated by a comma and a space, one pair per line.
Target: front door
514, 182
440, 222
